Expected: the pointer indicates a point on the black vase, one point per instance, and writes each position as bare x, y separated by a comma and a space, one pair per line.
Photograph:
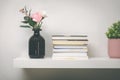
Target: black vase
36, 45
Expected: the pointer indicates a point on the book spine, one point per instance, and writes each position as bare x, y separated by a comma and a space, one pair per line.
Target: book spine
70, 50
70, 42
69, 38
70, 58
69, 47
69, 35
69, 54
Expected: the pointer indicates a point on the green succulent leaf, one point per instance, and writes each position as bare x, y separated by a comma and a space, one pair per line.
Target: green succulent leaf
114, 31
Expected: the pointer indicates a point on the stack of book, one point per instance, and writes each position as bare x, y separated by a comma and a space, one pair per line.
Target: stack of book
70, 47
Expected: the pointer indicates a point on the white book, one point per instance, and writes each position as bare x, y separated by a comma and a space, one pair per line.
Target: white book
69, 38
82, 35
69, 54
78, 37
60, 42
70, 58
70, 50
69, 47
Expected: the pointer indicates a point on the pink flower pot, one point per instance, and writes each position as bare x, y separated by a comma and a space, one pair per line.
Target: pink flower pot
114, 48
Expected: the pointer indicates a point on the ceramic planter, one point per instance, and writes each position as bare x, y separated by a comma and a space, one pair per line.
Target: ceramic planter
114, 48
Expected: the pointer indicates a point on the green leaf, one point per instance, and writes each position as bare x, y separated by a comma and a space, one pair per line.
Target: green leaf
26, 18
39, 25
25, 26
31, 22
24, 21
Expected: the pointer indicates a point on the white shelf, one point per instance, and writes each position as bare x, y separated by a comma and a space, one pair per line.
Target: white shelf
23, 62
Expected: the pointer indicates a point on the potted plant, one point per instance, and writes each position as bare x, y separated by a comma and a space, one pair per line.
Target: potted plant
113, 35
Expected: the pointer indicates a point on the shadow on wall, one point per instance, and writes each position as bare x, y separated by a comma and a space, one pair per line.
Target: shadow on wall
72, 74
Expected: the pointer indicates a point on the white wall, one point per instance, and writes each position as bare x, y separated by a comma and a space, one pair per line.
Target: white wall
91, 17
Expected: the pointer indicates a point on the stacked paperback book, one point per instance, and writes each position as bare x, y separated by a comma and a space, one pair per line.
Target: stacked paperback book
70, 47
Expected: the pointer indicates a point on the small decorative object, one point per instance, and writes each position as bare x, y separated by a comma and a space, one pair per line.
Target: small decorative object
113, 35
36, 42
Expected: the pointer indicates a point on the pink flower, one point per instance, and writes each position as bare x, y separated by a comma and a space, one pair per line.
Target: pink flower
37, 17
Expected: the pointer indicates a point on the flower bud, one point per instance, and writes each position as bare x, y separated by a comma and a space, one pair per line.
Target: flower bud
43, 13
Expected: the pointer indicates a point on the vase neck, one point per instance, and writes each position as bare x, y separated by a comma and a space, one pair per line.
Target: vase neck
36, 32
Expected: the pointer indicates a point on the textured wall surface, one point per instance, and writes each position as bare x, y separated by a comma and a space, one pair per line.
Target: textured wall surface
91, 17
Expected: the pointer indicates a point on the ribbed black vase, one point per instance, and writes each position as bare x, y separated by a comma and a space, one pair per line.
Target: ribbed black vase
36, 45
